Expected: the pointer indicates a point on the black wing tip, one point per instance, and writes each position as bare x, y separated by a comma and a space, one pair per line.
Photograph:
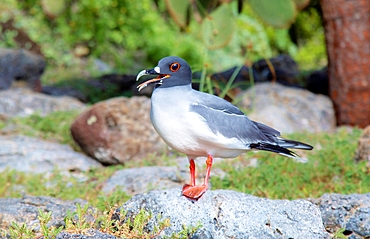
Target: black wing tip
275, 149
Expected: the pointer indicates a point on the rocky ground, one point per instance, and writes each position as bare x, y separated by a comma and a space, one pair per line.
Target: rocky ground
119, 130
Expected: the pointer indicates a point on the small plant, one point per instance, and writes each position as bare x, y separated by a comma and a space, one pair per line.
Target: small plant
187, 232
17, 231
81, 220
48, 232
112, 226
132, 228
339, 234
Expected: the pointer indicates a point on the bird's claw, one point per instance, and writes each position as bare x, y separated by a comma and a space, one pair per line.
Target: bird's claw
193, 192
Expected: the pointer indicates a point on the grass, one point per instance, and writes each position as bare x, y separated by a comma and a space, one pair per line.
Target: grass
53, 127
330, 169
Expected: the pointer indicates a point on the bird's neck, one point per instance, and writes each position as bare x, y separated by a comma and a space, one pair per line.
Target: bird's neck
183, 88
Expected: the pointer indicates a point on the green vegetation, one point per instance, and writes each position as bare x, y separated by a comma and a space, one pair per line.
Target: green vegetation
130, 35
267, 10
125, 34
19, 231
48, 232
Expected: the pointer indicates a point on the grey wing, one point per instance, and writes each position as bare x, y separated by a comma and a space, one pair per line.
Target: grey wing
224, 118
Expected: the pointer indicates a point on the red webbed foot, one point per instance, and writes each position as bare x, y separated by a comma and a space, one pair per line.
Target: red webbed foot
193, 191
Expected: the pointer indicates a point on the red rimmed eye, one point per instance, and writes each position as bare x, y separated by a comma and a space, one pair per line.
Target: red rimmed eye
175, 67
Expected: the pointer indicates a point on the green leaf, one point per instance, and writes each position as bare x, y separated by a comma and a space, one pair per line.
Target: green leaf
277, 13
178, 11
217, 28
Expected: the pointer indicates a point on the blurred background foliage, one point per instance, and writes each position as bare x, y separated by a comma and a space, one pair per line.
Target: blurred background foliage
132, 35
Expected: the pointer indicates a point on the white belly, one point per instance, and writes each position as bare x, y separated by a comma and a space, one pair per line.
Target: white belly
187, 132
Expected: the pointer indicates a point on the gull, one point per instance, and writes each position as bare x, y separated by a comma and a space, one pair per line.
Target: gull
204, 125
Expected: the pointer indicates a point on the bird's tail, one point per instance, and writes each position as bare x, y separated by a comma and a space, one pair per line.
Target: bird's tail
281, 147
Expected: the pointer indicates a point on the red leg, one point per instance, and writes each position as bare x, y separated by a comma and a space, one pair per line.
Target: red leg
195, 192
192, 172
209, 162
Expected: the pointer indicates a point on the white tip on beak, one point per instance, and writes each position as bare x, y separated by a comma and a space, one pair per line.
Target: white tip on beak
142, 73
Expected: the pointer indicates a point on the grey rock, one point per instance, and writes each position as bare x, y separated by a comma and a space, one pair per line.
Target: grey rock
23, 102
26, 210
351, 212
140, 180
28, 154
20, 64
289, 109
229, 214
90, 234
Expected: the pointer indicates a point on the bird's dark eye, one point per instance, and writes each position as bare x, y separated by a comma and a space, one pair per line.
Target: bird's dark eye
175, 67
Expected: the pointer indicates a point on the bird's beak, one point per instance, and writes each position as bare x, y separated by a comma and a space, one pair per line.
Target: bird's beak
157, 80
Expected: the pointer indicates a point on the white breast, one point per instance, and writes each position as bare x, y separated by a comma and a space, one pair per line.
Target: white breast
186, 131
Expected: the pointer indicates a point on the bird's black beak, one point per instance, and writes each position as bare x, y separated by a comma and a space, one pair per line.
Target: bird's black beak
157, 80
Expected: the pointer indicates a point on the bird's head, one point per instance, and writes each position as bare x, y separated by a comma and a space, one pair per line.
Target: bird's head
170, 71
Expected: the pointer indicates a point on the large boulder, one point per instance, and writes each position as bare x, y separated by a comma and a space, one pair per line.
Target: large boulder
117, 130
289, 109
27, 154
351, 212
23, 102
229, 214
